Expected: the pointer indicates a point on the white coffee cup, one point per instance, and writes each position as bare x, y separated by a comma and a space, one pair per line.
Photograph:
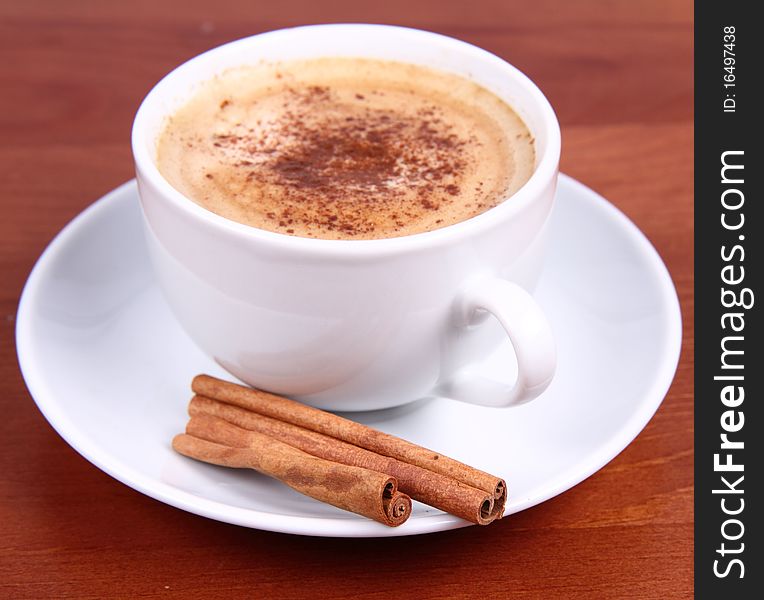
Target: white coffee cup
358, 325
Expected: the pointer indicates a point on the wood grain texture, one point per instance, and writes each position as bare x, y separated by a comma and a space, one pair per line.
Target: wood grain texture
73, 73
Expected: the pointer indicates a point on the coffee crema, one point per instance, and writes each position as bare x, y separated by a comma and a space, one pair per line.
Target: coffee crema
345, 148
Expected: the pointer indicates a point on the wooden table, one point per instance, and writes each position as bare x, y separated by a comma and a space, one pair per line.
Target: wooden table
72, 75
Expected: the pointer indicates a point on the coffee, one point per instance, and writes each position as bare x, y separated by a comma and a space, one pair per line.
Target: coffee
345, 148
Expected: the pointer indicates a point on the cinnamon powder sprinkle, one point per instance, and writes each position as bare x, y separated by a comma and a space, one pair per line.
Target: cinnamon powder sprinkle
336, 160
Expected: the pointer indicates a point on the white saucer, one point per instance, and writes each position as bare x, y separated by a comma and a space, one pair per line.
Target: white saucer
110, 368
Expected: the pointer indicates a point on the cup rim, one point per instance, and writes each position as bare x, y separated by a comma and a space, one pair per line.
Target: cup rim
545, 171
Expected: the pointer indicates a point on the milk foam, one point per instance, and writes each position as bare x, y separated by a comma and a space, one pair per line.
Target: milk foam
345, 148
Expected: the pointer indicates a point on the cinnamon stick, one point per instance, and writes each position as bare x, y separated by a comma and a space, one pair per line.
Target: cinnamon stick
225, 423
334, 426
362, 491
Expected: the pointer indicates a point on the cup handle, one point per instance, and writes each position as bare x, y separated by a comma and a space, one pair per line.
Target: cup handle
530, 334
